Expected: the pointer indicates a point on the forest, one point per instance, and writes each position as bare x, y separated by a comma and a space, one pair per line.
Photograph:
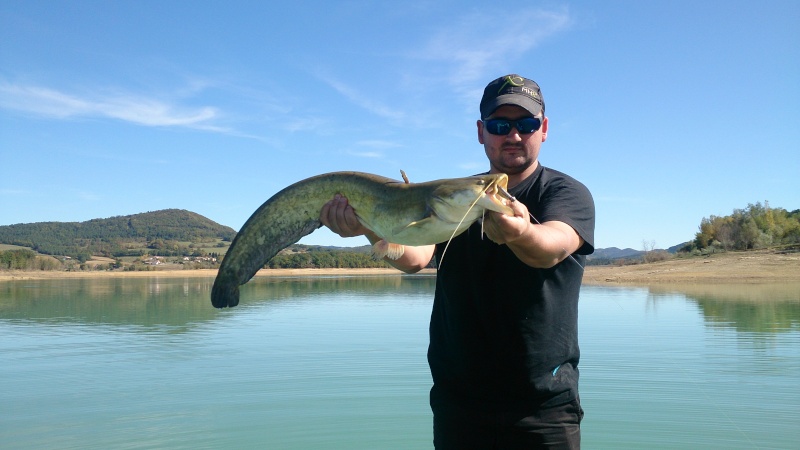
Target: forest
756, 227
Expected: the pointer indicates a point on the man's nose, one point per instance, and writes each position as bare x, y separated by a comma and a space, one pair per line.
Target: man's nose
514, 135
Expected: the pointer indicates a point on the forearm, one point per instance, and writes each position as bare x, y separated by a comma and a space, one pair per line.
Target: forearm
545, 245
539, 245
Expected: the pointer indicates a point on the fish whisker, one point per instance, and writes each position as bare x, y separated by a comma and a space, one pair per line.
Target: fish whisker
482, 193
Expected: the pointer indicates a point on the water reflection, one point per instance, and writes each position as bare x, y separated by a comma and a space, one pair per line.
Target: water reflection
747, 308
278, 288
176, 303
752, 292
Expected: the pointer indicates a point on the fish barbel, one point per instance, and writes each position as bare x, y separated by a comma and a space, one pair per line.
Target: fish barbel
400, 213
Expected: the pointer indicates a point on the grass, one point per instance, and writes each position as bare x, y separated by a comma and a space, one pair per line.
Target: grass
9, 247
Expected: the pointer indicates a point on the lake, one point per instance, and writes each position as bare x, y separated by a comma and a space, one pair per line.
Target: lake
340, 363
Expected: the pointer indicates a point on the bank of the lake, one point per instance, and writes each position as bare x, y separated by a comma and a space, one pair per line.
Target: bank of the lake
739, 267
760, 266
192, 273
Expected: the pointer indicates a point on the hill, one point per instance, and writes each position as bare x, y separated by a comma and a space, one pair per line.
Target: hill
167, 232
170, 239
613, 253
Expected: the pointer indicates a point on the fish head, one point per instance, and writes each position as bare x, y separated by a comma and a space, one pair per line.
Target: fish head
466, 198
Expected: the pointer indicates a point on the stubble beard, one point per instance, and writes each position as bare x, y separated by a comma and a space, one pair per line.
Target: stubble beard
512, 164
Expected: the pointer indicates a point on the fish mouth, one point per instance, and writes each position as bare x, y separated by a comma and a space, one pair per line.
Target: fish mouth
497, 193
504, 195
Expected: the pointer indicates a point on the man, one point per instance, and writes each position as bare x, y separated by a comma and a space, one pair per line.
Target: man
503, 334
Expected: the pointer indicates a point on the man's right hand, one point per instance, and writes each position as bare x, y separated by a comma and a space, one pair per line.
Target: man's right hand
341, 218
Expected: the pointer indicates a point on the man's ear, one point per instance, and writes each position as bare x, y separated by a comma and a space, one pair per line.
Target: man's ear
544, 129
480, 131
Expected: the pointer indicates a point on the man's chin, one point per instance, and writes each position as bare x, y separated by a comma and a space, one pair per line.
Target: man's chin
515, 167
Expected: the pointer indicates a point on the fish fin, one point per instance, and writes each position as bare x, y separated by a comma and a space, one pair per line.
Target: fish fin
392, 251
416, 223
395, 251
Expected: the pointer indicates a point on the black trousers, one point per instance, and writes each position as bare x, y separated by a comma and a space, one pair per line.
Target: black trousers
459, 427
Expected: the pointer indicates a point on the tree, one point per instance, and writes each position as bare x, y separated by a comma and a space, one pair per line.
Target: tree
754, 227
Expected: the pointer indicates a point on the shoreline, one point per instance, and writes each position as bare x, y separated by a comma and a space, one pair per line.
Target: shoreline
753, 267
11, 275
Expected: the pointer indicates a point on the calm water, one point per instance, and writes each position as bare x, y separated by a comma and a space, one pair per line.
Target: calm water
340, 363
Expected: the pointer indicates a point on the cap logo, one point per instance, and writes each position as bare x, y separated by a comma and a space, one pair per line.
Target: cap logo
516, 81
530, 92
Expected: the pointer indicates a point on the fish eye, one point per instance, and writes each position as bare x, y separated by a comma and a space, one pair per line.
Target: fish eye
481, 182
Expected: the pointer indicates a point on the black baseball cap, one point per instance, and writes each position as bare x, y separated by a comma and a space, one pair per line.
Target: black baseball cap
512, 90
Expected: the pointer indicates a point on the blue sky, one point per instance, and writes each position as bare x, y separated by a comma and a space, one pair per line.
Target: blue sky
668, 111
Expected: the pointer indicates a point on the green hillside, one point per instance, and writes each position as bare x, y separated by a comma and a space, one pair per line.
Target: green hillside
169, 232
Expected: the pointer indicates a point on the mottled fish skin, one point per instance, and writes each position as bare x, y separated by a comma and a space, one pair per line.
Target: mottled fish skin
398, 212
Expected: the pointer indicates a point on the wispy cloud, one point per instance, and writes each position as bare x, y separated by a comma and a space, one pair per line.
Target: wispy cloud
363, 100
13, 192
136, 109
472, 47
365, 154
375, 147
375, 143
302, 123
465, 52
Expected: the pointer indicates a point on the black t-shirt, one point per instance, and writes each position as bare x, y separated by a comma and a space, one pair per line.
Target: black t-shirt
503, 333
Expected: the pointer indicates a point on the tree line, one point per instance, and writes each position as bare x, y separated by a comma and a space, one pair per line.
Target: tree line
26, 260
322, 259
755, 227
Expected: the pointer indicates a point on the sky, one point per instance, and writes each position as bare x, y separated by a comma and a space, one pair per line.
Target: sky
669, 112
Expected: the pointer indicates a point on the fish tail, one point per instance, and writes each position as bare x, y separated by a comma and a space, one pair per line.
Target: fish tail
225, 292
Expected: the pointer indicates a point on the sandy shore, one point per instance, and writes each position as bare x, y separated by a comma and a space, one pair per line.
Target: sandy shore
44, 275
733, 267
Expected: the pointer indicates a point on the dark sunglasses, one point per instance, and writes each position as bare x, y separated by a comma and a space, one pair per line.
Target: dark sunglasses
502, 127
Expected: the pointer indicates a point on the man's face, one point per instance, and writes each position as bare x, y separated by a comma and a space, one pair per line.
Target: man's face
514, 153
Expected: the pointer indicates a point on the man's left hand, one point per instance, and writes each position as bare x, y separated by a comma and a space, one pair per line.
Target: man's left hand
503, 229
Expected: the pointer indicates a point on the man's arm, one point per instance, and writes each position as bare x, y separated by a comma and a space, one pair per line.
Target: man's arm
340, 217
537, 245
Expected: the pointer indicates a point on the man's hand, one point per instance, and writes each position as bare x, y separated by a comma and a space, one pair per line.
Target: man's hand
341, 218
537, 245
502, 229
